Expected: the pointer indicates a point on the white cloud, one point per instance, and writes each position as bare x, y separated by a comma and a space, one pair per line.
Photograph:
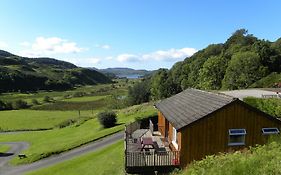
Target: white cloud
160, 55
25, 44
95, 60
128, 58
85, 62
3, 44
105, 46
47, 46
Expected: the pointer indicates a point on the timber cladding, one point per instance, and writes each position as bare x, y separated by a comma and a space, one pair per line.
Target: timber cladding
209, 135
203, 121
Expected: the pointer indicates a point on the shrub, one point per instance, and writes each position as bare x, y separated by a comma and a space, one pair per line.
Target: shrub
107, 119
35, 102
79, 94
19, 104
2, 105
47, 99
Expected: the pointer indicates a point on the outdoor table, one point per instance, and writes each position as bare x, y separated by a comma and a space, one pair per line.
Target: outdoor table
147, 143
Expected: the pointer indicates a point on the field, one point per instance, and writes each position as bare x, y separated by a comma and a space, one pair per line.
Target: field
74, 135
78, 104
92, 163
37, 120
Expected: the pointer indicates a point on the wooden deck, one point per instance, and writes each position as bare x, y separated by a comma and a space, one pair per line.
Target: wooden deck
138, 156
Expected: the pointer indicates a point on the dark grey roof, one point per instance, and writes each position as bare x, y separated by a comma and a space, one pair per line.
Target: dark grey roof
191, 105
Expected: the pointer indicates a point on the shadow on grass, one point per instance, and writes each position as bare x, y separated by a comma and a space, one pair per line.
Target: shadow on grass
6, 154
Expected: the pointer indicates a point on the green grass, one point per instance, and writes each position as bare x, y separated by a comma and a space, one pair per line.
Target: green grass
4, 148
36, 120
70, 137
272, 106
97, 162
86, 98
259, 160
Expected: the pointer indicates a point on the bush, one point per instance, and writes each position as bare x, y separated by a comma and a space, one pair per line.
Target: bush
19, 104
2, 105
35, 102
47, 99
107, 119
79, 94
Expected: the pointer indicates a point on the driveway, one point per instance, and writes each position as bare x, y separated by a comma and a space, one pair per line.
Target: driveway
248, 93
17, 147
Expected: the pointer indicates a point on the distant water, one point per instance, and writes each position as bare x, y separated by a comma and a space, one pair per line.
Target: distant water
130, 76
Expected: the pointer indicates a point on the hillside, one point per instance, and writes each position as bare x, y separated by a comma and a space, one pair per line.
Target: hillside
29, 74
241, 62
122, 72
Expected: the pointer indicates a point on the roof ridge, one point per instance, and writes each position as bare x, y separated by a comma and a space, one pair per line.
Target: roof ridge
215, 93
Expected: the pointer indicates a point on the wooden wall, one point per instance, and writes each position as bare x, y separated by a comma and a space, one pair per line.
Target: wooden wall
210, 134
162, 127
161, 123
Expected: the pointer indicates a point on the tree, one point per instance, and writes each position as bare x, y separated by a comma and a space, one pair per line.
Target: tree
47, 99
243, 70
19, 104
2, 105
139, 93
107, 119
212, 73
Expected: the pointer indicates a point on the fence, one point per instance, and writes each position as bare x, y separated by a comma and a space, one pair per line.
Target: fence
152, 159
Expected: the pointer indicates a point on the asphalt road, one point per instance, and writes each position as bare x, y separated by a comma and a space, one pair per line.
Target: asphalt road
17, 147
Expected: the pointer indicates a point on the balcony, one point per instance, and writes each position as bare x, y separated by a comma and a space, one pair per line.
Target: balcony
146, 149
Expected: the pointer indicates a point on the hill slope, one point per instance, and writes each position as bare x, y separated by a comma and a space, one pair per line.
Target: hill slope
241, 62
27, 74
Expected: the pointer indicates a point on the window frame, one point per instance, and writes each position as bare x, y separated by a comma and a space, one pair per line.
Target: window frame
269, 133
174, 138
242, 134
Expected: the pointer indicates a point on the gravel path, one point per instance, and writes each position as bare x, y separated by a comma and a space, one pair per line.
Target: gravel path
17, 147
248, 92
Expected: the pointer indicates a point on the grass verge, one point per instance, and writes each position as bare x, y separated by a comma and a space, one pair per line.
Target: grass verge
97, 162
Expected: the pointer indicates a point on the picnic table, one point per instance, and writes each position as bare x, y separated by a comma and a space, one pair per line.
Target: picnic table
147, 143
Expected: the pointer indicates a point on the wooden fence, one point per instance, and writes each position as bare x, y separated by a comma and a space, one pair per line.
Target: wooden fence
152, 159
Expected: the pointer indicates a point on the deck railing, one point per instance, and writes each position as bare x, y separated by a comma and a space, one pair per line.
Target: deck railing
152, 159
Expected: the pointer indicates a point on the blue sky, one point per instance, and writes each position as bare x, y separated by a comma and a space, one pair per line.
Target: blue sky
141, 34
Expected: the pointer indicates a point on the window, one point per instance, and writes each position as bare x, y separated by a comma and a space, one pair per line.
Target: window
236, 137
174, 139
267, 131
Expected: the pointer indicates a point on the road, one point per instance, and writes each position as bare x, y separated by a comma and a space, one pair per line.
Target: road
17, 147
248, 92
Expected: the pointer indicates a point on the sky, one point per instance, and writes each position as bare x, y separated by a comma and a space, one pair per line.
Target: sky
140, 34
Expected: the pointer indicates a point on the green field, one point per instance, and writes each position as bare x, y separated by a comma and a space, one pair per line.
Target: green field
86, 99
73, 136
36, 120
93, 163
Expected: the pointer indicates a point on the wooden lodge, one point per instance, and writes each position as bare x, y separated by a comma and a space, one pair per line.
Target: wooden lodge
194, 124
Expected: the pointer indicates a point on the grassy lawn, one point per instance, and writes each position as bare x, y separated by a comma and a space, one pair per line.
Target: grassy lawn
86, 99
73, 136
4, 148
33, 120
97, 162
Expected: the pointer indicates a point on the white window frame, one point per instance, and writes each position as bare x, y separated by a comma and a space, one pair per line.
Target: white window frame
242, 133
268, 133
174, 138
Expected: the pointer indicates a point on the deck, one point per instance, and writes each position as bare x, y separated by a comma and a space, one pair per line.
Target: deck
156, 154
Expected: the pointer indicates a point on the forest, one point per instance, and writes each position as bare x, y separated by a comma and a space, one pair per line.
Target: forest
243, 61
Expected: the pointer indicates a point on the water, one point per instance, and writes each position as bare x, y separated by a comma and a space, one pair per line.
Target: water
130, 76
